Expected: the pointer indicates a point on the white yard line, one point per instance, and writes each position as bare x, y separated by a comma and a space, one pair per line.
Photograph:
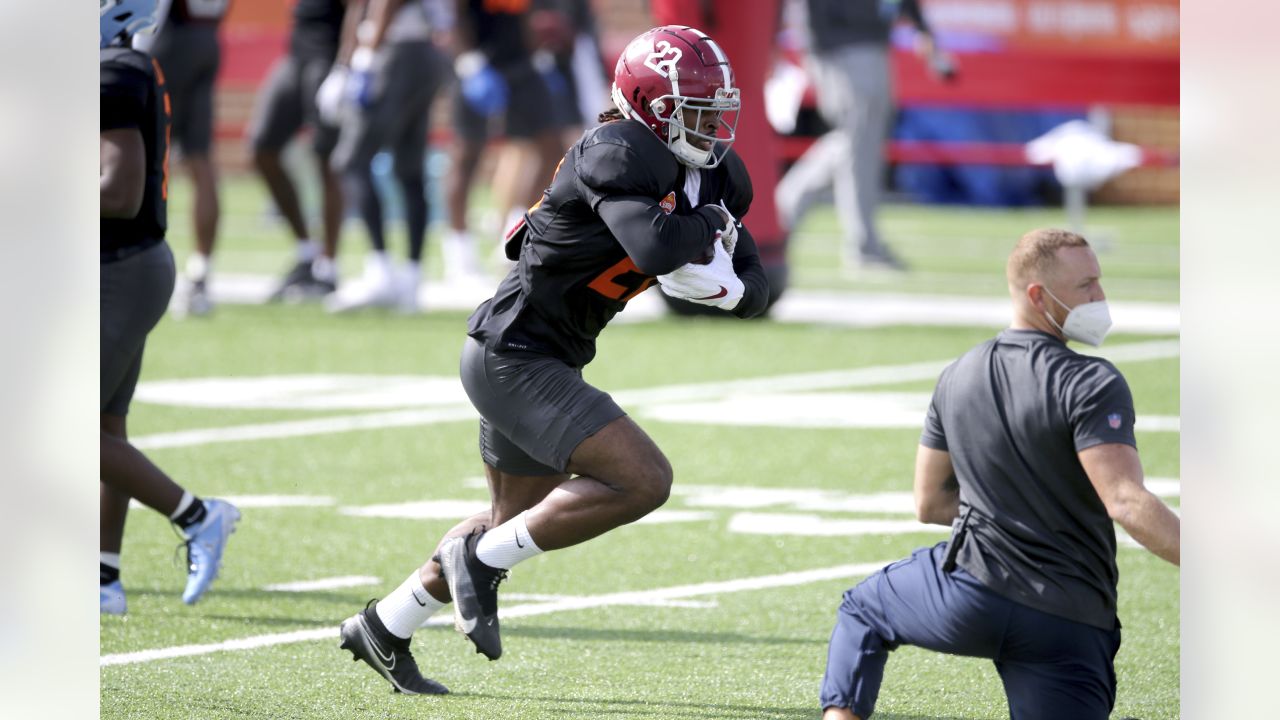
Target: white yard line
299, 428
333, 583
797, 382
636, 597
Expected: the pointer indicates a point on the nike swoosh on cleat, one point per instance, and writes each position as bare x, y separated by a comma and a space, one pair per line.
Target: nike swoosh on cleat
723, 291
388, 660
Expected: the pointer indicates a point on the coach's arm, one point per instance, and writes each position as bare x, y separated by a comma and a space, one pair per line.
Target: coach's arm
936, 491
1116, 473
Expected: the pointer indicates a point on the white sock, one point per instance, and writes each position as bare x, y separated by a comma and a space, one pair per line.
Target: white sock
111, 560
322, 268
307, 250
198, 266
507, 544
183, 504
404, 609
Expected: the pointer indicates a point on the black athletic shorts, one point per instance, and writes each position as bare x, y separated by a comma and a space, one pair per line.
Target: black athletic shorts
287, 101
534, 409
529, 112
133, 296
189, 57
406, 78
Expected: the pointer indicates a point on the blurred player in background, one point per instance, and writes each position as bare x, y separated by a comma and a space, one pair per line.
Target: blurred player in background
567, 30
136, 282
498, 85
381, 91
1028, 453
286, 103
186, 46
849, 49
648, 196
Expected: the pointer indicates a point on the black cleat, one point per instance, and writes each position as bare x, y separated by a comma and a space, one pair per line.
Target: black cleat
474, 587
369, 640
301, 284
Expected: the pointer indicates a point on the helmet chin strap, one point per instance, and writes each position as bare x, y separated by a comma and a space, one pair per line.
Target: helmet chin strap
684, 150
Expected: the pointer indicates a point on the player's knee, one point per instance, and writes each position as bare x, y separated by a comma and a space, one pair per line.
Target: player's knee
655, 484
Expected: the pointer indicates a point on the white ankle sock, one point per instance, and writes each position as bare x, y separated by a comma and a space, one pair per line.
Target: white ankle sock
404, 609
198, 266
183, 504
507, 544
307, 250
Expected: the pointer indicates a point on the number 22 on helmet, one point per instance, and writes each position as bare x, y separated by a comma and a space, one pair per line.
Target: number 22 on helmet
678, 82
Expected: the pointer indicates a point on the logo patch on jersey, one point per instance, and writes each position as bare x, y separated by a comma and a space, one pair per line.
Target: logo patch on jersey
668, 203
1114, 421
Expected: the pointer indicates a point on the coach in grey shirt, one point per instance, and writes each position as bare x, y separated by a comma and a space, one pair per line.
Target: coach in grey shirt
849, 65
1028, 453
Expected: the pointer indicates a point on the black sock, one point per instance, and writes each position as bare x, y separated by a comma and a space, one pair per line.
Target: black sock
107, 574
193, 515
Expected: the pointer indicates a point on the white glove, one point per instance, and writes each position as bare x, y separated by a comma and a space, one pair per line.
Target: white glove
330, 96
729, 235
713, 284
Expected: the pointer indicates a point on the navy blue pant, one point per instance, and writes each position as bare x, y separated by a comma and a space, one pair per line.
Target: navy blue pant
1052, 668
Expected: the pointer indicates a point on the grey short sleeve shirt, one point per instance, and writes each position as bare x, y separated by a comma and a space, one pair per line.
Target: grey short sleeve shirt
1013, 413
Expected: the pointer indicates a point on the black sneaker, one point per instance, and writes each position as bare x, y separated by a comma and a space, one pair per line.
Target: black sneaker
369, 640
294, 284
474, 587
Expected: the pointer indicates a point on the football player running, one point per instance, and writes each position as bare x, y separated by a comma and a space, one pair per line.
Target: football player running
652, 195
137, 279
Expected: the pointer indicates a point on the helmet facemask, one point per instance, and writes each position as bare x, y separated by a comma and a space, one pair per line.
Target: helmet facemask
685, 122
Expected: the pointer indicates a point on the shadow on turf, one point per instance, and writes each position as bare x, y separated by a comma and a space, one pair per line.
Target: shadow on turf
672, 710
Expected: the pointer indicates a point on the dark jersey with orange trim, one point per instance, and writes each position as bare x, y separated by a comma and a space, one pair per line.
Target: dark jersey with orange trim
317, 28
133, 96
497, 28
614, 217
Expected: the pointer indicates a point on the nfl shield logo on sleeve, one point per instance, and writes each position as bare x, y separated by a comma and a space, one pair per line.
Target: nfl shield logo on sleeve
1114, 421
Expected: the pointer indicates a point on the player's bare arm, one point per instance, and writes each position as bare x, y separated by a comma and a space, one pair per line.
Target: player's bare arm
122, 172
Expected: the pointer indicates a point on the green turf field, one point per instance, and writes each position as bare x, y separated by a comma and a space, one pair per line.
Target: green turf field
681, 642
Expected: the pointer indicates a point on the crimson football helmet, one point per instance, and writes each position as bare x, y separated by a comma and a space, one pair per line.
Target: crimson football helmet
675, 79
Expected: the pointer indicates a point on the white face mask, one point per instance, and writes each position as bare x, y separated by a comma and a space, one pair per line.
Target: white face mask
1086, 323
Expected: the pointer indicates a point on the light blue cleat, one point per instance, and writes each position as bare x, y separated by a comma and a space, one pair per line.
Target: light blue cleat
205, 544
111, 598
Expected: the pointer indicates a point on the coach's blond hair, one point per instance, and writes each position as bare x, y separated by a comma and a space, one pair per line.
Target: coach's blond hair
1034, 257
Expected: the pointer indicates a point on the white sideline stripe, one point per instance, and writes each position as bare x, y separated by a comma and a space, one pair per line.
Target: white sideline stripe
332, 583
638, 597
298, 428
266, 501
858, 377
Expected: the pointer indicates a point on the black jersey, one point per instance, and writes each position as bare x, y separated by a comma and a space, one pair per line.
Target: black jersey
133, 96
498, 29
614, 217
317, 28
1014, 413
197, 12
